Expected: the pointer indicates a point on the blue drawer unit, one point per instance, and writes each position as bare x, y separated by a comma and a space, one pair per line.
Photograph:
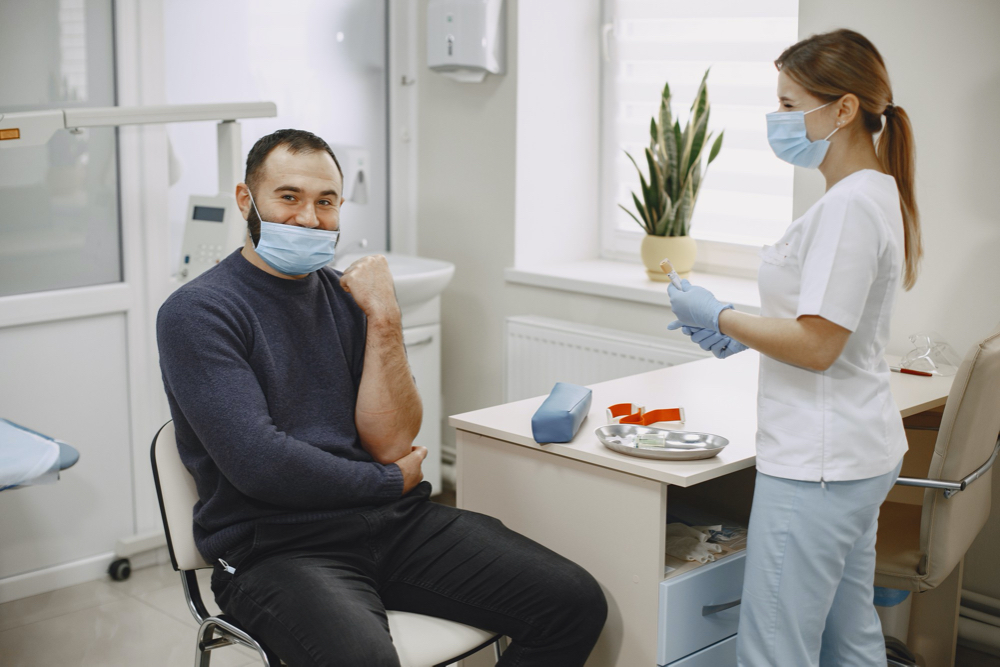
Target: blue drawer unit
700, 614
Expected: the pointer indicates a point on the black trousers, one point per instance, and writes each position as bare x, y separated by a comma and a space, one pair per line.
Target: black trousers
317, 593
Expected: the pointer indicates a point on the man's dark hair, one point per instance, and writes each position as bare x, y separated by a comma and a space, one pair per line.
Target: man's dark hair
295, 141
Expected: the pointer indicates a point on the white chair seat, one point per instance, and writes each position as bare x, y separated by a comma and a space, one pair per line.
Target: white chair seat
425, 641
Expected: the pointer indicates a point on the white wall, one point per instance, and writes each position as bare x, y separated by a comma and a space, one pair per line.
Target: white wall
944, 63
557, 200
467, 195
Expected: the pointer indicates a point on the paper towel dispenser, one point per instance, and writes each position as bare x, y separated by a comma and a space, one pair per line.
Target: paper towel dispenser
465, 38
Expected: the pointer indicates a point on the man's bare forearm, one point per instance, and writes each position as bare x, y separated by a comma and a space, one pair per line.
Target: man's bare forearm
388, 412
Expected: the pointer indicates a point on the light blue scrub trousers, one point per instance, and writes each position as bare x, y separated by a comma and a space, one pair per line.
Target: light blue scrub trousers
810, 569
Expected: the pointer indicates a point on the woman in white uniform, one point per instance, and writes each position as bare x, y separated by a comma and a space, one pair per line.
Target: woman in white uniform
830, 439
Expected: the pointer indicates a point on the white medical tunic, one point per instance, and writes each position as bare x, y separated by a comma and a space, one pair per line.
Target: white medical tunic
841, 261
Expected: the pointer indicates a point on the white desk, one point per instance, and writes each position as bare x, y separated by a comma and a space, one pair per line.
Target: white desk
607, 511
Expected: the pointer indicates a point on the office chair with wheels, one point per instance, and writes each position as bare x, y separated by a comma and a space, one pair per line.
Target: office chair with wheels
420, 641
924, 532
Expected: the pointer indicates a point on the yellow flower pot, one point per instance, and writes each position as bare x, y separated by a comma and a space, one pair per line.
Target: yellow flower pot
680, 250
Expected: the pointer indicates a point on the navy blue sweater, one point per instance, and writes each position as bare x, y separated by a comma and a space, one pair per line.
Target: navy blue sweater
262, 378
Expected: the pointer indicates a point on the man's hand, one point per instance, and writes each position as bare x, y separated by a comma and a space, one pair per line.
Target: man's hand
409, 465
369, 281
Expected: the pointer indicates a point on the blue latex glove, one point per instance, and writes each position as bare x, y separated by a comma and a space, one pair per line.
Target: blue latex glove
727, 348
696, 306
721, 345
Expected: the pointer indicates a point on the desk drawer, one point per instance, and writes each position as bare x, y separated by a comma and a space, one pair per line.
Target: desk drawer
722, 654
688, 622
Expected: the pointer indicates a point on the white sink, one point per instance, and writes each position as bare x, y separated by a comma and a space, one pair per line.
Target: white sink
417, 279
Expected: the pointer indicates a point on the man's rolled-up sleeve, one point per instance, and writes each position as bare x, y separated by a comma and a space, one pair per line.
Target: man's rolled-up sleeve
203, 358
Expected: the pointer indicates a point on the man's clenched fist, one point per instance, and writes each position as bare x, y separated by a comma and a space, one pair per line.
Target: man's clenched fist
369, 281
410, 466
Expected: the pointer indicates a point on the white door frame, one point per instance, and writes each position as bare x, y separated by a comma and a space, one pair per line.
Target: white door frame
403, 80
143, 168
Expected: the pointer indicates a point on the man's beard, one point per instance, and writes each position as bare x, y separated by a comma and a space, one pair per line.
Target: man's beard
253, 226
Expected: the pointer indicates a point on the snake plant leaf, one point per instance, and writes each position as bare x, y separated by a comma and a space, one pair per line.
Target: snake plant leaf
675, 193
701, 97
716, 147
632, 159
696, 174
646, 198
683, 214
666, 120
694, 133
642, 211
695, 137
659, 148
642, 181
664, 222
655, 184
640, 223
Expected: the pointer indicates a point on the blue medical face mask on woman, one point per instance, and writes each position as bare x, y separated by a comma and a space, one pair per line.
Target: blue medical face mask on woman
294, 250
786, 132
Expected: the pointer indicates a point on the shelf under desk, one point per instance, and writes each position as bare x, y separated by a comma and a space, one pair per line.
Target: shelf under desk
607, 511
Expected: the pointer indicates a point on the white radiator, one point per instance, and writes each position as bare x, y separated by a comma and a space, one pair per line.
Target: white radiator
541, 351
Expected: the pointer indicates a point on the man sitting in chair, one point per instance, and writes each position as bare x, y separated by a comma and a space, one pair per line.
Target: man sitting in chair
295, 412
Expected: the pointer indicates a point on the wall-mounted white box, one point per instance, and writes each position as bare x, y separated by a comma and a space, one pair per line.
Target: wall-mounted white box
465, 38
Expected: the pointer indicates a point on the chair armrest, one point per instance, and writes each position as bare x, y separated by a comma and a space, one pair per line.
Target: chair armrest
951, 488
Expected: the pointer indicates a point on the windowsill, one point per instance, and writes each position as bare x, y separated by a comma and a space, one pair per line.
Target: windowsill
628, 281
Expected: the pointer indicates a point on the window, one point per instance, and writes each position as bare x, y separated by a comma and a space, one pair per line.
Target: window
746, 198
59, 228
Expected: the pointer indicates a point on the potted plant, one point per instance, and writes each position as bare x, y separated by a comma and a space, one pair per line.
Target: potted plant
675, 174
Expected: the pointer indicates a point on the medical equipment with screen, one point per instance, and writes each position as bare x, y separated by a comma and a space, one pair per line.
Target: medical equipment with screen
214, 224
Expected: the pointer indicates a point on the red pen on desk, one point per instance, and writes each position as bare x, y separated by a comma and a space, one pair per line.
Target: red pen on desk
909, 371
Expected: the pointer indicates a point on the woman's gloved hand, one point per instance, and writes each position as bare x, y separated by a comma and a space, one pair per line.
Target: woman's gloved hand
721, 345
727, 348
696, 306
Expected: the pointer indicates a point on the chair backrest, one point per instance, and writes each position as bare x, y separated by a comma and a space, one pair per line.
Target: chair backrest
969, 429
177, 493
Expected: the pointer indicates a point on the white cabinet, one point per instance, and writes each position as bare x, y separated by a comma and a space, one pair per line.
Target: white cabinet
423, 349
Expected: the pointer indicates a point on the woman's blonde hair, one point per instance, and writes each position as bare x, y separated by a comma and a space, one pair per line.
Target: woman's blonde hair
836, 63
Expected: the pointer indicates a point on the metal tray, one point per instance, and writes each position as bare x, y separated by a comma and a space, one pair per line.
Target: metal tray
682, 445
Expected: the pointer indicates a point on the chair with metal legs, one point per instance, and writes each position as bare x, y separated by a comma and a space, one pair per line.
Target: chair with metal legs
420, 641
924, 532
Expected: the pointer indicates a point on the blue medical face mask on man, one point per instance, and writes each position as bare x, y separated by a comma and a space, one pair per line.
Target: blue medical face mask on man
786, 132
294, 250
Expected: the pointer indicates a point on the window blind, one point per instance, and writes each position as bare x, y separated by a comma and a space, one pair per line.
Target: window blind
746, 197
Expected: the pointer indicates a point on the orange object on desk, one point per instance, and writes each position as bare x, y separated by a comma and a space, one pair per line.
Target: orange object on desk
629, 413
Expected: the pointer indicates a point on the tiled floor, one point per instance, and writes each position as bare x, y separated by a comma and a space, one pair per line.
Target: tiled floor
141, 621
144, 621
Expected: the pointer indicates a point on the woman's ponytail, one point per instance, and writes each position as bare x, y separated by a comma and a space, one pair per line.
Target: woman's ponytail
896, 151
844, 62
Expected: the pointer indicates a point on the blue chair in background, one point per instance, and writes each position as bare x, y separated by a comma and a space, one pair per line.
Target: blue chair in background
28, 457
